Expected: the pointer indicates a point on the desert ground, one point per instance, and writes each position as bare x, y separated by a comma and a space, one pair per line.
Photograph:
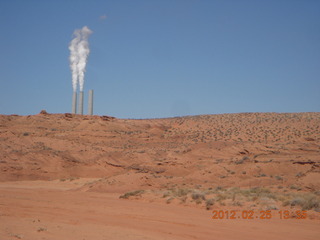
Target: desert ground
228, 176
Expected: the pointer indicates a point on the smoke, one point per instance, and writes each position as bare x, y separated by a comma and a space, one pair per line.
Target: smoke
79, 52
74, 58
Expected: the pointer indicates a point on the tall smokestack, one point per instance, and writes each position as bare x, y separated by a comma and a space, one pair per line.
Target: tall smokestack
90, 102
80, 109
74, 103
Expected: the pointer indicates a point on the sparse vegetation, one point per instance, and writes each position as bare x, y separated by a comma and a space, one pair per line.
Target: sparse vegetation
305, 201
237, 197
133, 193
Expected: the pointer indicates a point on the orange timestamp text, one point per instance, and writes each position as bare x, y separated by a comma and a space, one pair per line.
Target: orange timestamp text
265, 214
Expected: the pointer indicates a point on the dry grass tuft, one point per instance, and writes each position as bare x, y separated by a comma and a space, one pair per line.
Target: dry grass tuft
133, 193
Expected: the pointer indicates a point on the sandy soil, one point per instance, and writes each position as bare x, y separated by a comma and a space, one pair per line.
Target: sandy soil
47, 210
61, 176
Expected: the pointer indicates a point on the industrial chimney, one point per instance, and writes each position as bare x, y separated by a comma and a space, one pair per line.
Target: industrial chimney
80, 109
74, 103
90, 102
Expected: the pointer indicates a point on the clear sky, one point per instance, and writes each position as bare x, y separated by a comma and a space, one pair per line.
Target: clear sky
163, 58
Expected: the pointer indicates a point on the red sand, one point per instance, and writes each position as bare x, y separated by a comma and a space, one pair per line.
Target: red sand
86, 162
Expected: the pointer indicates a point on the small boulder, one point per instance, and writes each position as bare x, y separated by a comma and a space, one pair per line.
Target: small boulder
43, 112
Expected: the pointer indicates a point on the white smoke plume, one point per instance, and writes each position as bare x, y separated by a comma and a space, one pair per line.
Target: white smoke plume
79, 52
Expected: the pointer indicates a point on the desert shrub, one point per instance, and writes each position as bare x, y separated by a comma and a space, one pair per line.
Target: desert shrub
198, 196
181, 192
241, 161
258, 191
183, 199
317, 193
166, 194
300, 174
209, 203
272, 207
295, 187
311, 202
234, 190
133, 193
237, 203
221, 196
305, 201
254, 194
169, 200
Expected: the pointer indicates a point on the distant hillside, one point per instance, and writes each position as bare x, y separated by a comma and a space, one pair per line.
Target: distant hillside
228, 149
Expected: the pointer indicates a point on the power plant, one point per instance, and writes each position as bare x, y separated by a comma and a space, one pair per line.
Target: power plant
80, 109
79, 52
81, 101
74, 103
90, 102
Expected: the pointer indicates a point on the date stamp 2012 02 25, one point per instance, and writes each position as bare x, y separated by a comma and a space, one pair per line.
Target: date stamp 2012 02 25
263, 214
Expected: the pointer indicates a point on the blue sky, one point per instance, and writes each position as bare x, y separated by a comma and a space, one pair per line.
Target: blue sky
163, 58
